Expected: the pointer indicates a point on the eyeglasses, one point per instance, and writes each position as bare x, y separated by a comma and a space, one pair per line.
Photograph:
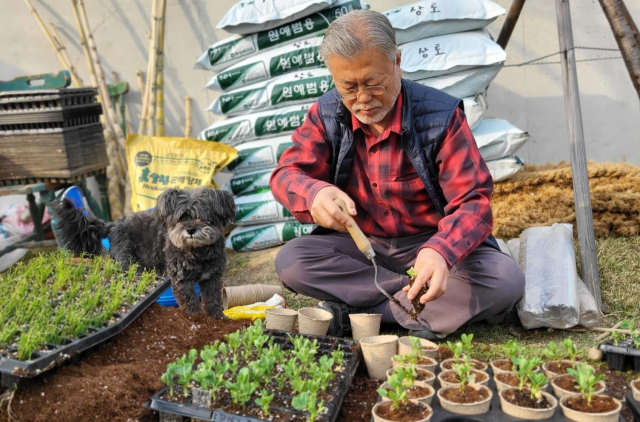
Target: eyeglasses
352, 94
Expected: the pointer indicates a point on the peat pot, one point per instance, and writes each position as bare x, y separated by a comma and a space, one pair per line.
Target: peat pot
529, 413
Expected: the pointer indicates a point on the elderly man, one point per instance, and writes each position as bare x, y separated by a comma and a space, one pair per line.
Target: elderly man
403, 159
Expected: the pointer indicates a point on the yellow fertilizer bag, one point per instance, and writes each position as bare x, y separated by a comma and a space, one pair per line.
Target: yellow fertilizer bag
156, 164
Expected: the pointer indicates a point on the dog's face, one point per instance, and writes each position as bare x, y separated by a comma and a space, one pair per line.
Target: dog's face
197, 217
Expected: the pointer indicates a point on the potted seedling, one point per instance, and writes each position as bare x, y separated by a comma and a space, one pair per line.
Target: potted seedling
417, 307
512, 350
589, 406
460, 349
416, 390
567, 385
635, 388
410, 344
416, 359
419, 374
465, 398
558, 365
508, 379
463, 371
528, 402
398, 407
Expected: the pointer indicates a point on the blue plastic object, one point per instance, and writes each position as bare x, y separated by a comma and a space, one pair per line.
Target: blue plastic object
168, 299
74, 193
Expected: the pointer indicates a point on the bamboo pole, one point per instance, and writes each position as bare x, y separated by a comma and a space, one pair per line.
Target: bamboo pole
74, 76
510, 23
630, 21
151, 66
602, 336
159, 124
65, 55
140, 80
578, 155
625, 38
187, 117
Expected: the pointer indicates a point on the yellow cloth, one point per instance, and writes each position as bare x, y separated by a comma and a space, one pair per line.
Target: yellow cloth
250, 312
157, 164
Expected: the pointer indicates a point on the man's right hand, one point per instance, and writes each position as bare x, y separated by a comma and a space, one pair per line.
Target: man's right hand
325, 211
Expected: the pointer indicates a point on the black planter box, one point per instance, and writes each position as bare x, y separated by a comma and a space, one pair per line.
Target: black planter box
14, 373
325, 346
622, 356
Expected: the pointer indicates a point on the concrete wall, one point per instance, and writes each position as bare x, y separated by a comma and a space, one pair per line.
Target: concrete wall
530, 96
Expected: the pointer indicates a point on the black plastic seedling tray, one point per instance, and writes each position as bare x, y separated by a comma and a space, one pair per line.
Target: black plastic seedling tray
13, 372
494, 414
622, 356
633, 405
325, 345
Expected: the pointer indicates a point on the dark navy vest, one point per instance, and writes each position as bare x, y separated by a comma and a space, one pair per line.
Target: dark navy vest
426, 115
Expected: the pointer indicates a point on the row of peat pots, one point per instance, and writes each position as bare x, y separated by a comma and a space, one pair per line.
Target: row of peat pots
419, 389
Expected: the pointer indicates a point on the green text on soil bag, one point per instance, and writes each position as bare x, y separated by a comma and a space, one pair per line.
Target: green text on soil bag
293, 229
282, 148
301, 89
250, 182
240, 100
301, 58
242, 75
222, 133
245, 210
230, 50
245, 239
243, 155
269, 125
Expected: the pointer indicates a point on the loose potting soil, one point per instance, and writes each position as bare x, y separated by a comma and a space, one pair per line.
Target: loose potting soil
569, 383
508, 378
559, 367
112, 382
543, 195
452, 377
417, 306
471, 395
523, 398
409, 412
599, 404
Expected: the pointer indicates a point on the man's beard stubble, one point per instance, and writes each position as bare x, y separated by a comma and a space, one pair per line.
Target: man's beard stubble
382, 113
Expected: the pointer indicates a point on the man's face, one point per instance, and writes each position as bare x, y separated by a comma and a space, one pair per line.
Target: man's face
372, 68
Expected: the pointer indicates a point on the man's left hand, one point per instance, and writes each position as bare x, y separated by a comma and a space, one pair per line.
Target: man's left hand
430, 265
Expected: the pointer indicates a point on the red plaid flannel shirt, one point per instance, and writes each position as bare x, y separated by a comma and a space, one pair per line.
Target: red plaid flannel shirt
391, 200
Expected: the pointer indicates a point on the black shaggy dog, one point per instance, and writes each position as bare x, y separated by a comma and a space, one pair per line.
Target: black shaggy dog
183, 236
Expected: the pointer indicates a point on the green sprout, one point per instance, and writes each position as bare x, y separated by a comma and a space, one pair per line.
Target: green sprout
416, 346
512, 349
412, 273
616, 337
570, 349
456, 348
308, 401
264, 400
398, 392
466, 343
338, 357
524, 368
537, 382
586, 379
464, 373
552, 352
243, 388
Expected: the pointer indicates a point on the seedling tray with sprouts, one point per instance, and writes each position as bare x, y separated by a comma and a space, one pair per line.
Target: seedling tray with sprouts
621, 356
56, 306
225, 407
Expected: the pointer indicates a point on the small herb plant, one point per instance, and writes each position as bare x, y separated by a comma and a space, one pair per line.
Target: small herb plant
570, 349
513, 350
464, 373
524, 368
615, 335
466, 343
309, 402
456, 348
586, 379
552, 352
412, 273
264, 400
398, 391
537, 382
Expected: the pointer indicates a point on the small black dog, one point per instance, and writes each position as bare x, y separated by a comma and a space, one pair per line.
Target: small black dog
183, 235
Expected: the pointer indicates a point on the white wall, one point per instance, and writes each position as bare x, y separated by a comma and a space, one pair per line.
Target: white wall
530, 96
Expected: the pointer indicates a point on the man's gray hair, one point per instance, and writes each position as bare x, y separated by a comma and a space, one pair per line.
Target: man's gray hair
357, 31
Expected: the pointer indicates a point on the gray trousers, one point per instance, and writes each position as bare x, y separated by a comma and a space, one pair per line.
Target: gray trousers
484, 285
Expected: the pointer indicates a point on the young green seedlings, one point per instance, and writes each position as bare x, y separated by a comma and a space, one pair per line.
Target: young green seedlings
586, 379
412, 272
615, 335
464, 373
466, 343
570, 349
537, 381
243, 388
308, 401
264, 400
456, 348
398, 391
552, 352
512, 349
524, 368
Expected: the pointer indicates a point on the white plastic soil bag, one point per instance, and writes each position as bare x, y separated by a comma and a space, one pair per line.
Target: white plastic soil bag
231, 50
256, 208
262, 236
289, 58
548, 261
444, 54
474, 108
259, 155
505, 167
248, 16
236, 130
498, 138
465, 83
255, 181
589, 315
430, 18
290, 89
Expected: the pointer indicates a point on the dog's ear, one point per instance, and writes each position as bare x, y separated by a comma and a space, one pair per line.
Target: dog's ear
217, 203
168, 203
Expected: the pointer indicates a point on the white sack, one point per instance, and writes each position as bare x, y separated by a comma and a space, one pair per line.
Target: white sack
548, 261
246, 17
236, 130
498, 138
444, 54
430, 18
291, 57
293, 88
231, 50
257, 208
503, 247
259, 155
474, 108
262, 236
505, 167
255, 181
466, 83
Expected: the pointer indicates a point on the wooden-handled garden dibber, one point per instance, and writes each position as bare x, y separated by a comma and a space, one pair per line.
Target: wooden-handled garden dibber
365, 247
